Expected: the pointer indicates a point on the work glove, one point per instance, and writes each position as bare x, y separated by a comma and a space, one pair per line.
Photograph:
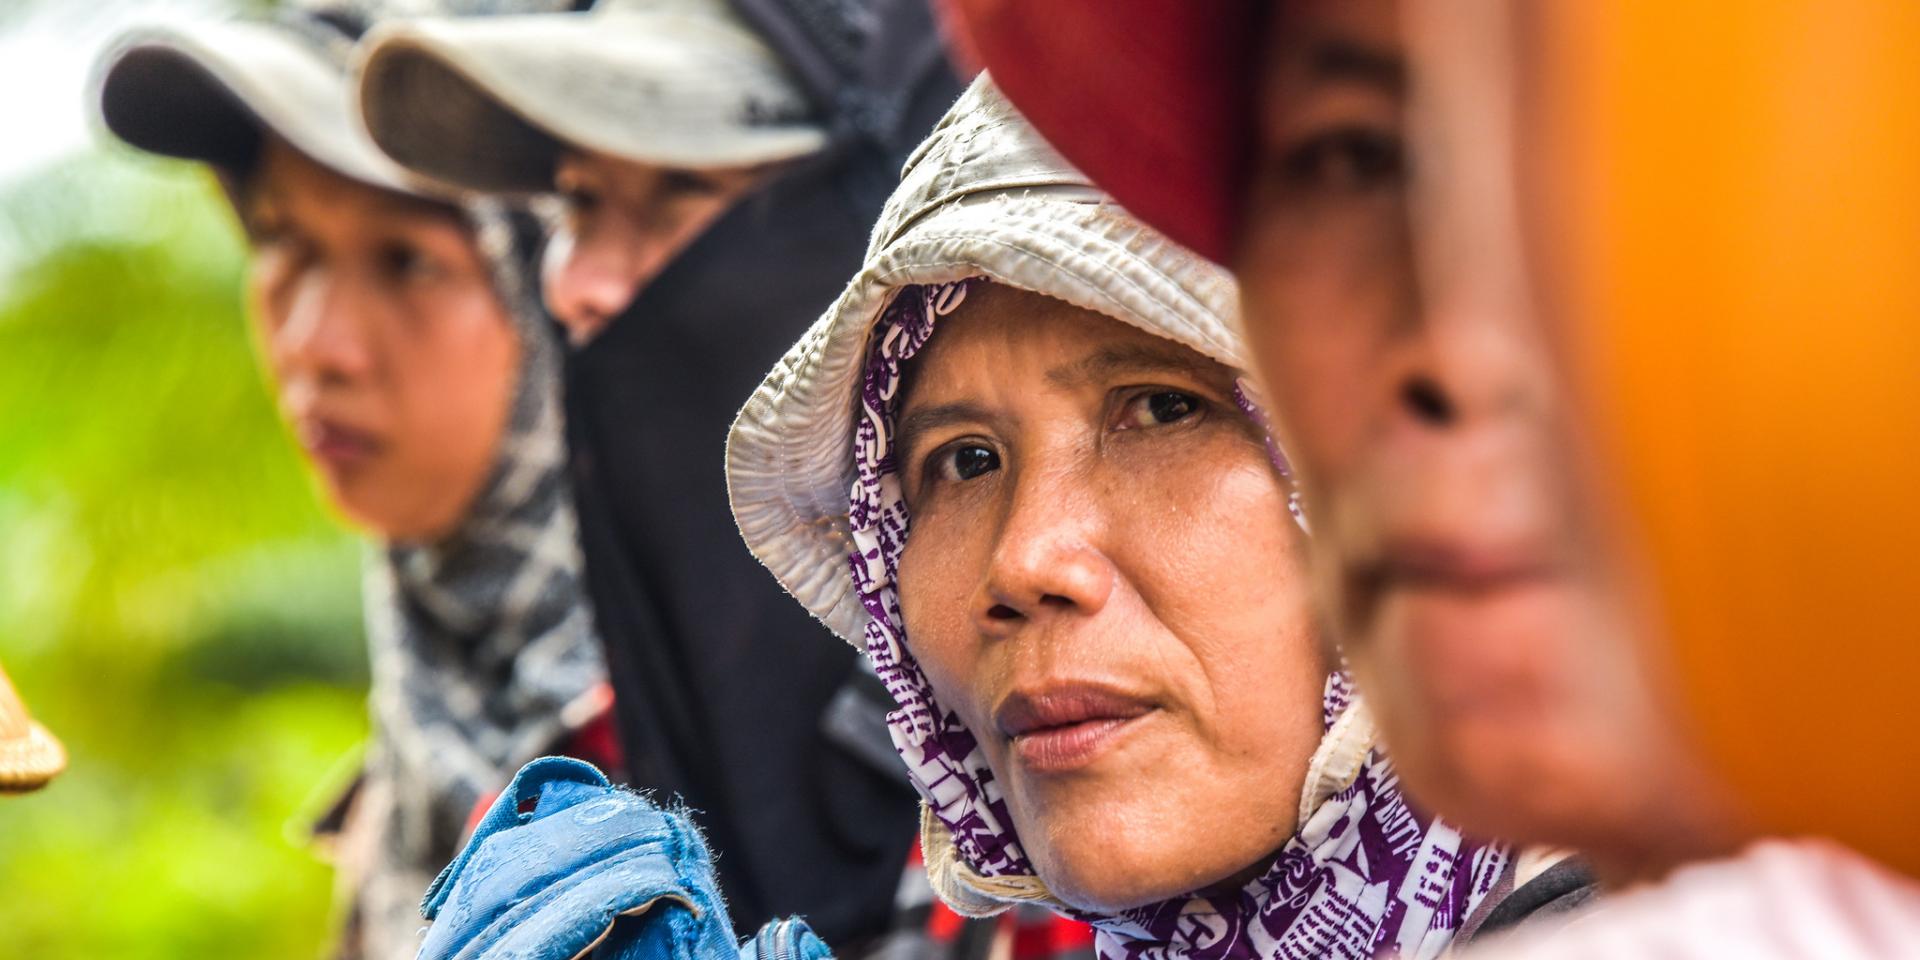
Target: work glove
588, 870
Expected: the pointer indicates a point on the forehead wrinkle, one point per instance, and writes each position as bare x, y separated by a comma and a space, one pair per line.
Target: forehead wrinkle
347, 194
1111, 360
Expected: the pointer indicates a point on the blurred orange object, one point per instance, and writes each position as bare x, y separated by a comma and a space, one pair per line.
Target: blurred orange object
1729, 204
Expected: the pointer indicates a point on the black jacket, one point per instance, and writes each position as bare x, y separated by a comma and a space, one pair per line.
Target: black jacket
728, 694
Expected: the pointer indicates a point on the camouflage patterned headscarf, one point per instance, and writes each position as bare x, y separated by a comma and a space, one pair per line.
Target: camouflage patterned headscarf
484, 655
483, 652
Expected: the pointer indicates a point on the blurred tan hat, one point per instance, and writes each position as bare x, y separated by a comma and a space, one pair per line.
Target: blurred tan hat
487, 104
208, 90
29, 755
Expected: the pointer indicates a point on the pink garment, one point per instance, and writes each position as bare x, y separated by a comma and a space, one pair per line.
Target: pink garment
1779, 899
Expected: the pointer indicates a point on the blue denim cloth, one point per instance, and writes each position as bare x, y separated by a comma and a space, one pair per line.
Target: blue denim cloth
589, 871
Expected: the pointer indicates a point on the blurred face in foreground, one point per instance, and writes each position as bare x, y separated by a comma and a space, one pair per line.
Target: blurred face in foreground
621, 223
1459, 552
1102, 581
392, 357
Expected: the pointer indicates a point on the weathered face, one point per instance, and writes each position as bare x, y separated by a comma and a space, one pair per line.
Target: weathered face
1457, 548
621, 224
1102, 581
392, 357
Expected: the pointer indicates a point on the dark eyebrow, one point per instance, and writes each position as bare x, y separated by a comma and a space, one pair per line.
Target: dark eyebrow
420, 208
916, 422
266, 192
1103, 364
1345, 61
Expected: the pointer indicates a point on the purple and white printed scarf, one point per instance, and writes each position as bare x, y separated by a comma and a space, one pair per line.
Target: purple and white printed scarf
1364, 875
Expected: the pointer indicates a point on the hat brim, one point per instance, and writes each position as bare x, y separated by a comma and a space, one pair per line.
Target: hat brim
209, 92
488, 104
29, 760
1150, 98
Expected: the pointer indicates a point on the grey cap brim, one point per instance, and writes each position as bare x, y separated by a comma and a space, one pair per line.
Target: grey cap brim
207, 92
488, 104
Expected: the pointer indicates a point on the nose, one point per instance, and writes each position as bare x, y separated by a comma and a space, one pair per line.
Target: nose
1470, 365
1477, 353
590, 276
324, 333
1047, 561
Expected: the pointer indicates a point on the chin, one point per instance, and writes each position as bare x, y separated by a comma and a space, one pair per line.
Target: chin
1157, 820
1099, 864
1107, 892
1477, 703
1522, 777
382, 521
1503, 789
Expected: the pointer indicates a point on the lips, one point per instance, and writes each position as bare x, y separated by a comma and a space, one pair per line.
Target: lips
335, 444
1462, 567
1067, 726
1469, 517
1430, 581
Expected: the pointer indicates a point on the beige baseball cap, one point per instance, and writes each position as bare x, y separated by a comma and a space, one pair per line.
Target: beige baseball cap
488, 104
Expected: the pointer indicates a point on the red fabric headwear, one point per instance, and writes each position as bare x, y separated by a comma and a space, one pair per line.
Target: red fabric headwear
1149, 98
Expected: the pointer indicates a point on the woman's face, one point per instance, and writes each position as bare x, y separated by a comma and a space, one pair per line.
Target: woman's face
1102, 582
620, 224
393, 358
1461, 553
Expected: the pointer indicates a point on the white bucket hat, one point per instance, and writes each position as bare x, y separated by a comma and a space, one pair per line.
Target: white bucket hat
487, 104
984, 196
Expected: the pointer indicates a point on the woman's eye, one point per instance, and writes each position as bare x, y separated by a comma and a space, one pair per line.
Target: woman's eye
686, 183
274, 271
273, 237
265, 233
576, 209
406, 262
280, 247
578, 201
1346, 160
1159, 407
966, 462
278, 258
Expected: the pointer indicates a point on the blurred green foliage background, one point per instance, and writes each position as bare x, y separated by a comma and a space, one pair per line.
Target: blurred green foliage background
174, 603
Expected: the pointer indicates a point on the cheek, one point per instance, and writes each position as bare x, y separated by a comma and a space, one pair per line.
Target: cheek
456, 371
1224, 572
269, 302
1319, 307
1211, 558
698, 216
936, 583
1212, 539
